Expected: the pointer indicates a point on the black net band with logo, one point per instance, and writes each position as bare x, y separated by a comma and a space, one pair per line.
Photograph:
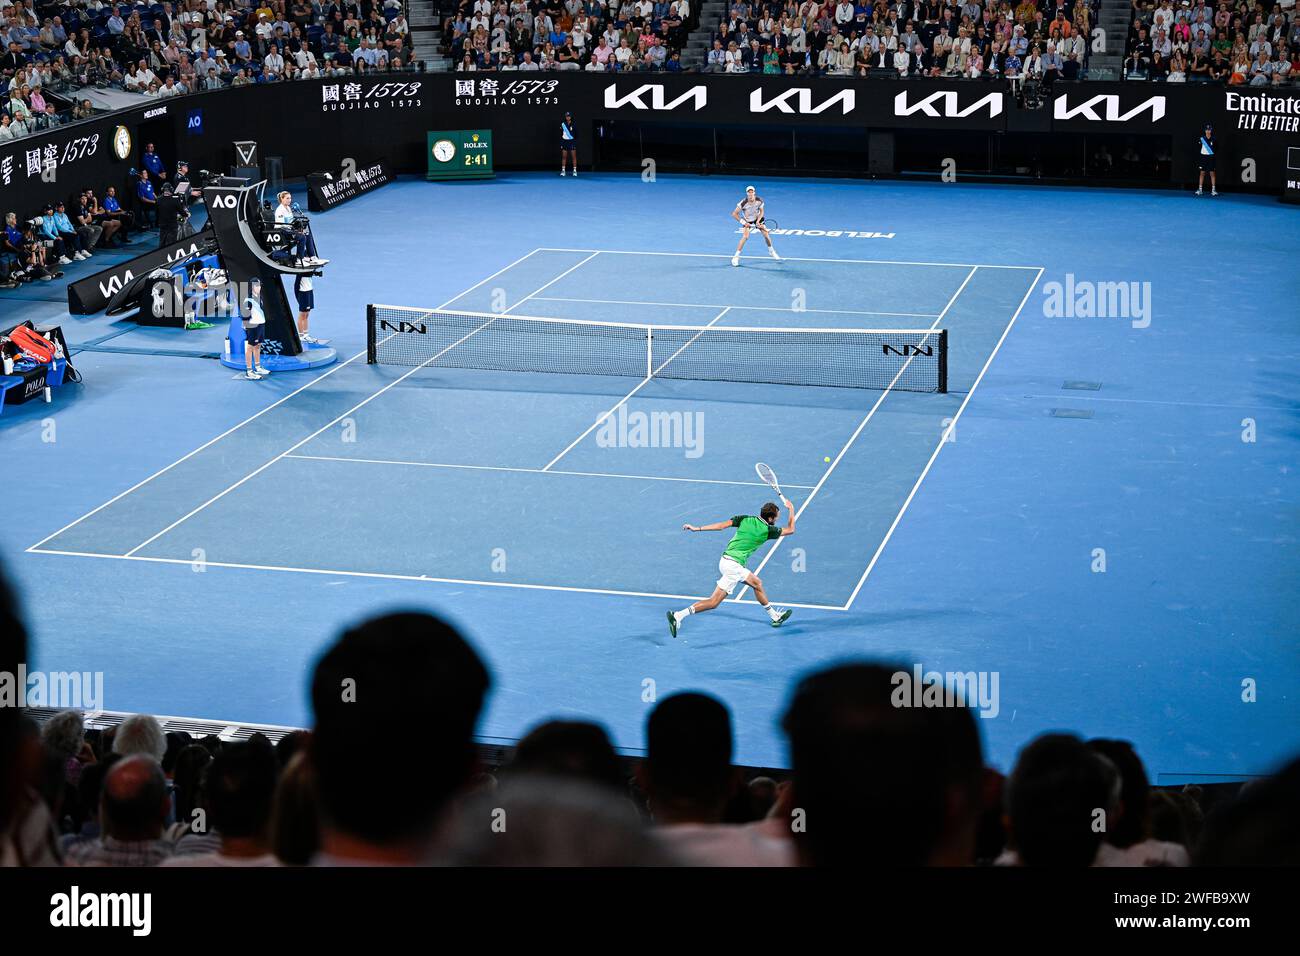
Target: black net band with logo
914, 360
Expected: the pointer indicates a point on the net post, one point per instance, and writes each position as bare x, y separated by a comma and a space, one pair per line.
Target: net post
943, 360
649, 351
371, 358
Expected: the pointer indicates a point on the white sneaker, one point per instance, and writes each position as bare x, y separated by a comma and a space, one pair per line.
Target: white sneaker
1214, 192
772, 250
305, 338
1198, 192
252, 376
260, 370
79, 256
562, 173
735, 260
64, 261
575, 174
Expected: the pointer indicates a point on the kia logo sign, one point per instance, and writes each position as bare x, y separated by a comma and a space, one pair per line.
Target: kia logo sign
1087, 110
803, 102
698, 95
947, 101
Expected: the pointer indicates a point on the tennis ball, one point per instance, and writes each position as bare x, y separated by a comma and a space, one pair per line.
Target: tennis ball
827, 458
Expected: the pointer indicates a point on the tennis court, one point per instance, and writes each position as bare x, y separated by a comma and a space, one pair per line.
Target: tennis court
572, 480
237, 526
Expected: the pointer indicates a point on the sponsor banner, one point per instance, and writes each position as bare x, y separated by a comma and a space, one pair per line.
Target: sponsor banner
353, 95
326, 190
92, 294
1112, 108
1264, 111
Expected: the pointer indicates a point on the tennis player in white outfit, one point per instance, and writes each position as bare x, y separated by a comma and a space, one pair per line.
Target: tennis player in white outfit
749, 213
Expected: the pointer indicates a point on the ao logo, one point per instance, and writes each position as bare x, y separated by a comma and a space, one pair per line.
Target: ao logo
228, 201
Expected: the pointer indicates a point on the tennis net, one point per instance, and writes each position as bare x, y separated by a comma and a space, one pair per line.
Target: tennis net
906, 359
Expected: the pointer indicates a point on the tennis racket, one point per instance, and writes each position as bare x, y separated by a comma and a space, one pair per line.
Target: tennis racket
765, 223
769, 478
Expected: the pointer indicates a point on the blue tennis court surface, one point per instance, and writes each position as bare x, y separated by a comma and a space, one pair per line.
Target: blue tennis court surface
1100, 509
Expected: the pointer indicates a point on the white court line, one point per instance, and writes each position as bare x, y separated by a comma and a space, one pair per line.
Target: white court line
314, 381
854, 437
720, 255
939, 445
644, 382
397, 381
747, 308
530, 471
429, 579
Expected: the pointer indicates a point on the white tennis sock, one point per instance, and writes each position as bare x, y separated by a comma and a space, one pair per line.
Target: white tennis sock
683, 614
771, 610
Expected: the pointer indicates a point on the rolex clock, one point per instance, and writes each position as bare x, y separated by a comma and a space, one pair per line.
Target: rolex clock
460, 154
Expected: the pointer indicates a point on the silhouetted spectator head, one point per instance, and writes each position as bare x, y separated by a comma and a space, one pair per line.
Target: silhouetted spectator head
1261, 827
880, 784
188, 778
1057, 797
569, 748
289, 745
177, 740
140, 734
238, 788
377, 682
687, 773
534, 820
295, 813
134, 803
1129, 823
64, 733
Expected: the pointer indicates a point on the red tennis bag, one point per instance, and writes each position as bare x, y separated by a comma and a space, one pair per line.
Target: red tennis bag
33, 345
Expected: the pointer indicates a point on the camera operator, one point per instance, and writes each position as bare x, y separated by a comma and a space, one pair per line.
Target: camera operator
171, 215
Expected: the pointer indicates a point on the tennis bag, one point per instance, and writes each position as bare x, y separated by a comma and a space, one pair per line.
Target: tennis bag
32, 345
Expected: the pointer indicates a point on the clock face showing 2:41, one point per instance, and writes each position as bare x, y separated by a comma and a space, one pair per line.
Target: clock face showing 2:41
444, 150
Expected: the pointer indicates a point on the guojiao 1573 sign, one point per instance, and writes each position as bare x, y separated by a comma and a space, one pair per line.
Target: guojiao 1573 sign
351, 96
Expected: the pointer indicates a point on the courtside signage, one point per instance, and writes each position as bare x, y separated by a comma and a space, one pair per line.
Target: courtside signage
460, 154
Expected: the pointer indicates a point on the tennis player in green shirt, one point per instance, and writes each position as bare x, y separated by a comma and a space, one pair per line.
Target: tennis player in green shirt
751, 534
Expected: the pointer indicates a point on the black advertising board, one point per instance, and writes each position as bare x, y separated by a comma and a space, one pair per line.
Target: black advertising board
331, 123
92, 294
327, 190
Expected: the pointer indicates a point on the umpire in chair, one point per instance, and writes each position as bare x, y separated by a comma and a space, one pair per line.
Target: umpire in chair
297, 225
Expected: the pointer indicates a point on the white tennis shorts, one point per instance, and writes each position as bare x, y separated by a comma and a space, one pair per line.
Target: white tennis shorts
733, 573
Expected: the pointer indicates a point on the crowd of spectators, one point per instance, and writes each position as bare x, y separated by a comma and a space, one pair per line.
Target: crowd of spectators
389, 774
596, 35
975, 39
988, 39
53, 50
1237, 43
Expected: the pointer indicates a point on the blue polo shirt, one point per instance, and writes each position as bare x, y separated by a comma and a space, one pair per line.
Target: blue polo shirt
151, 162
14, 236
111, 204
143, 189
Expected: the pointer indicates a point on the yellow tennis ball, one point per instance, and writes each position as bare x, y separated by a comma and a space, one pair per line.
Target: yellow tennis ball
827, 458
